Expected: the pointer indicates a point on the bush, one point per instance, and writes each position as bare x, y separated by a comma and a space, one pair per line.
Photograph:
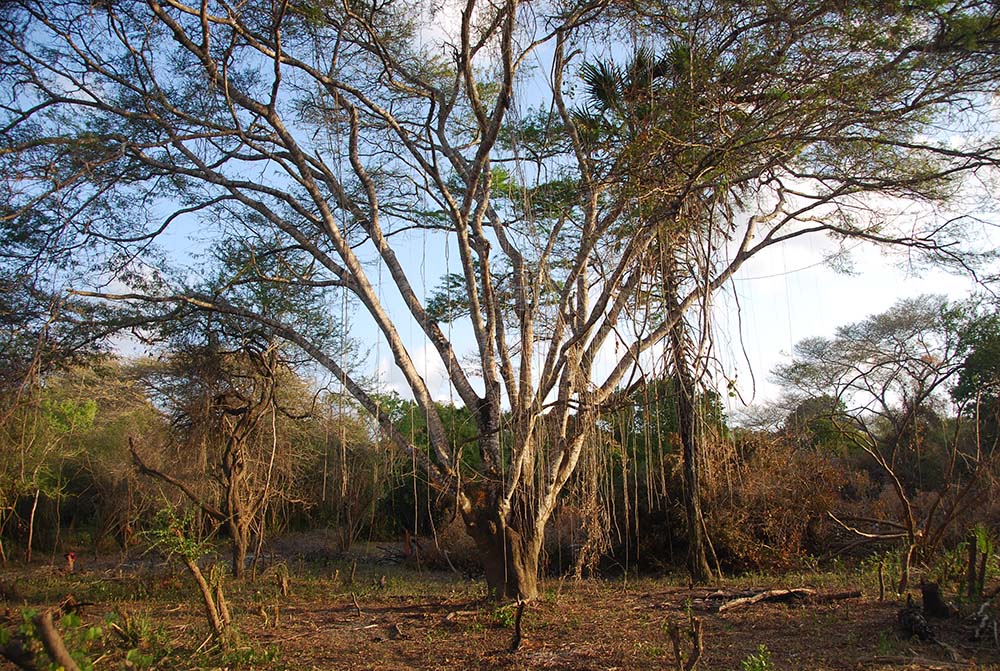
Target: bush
773, 513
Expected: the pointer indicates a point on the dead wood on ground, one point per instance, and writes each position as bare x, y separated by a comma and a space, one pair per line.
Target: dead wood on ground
786, 595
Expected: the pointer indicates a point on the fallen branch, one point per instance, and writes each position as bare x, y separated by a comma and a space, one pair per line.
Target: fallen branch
215, 617
798, 593
455, 614
52, 641
19, 652
922, 662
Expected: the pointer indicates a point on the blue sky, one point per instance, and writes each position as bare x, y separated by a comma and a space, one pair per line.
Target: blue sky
785, 296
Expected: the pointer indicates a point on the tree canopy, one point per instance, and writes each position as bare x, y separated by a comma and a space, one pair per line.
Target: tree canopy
589, 206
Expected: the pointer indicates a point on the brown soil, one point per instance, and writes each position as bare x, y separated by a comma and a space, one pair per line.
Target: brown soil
422, 620
603, 626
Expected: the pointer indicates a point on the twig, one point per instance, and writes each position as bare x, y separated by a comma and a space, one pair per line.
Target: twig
881, 581
885, 535
204, 643
444, 553
356, 604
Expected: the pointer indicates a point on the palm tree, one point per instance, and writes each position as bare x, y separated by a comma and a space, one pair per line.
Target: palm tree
640, 114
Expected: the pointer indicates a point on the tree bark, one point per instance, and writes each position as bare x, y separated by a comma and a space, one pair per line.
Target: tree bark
687, 426
697, 557
511, 565
509, 553
240, 542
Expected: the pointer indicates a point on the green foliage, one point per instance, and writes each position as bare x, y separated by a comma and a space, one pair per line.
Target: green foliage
949, 567
980, 342
906, 356
241, 657
885, 643
819, 422
650, 414
954, 564
985, 539
405, 494
172, 535
260, 274
450, 299
538, 132
503, 616
758, 661
69, 415
144, 641
82, 641
978, 384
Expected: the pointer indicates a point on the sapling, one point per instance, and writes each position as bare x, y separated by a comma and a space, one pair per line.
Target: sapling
171, 537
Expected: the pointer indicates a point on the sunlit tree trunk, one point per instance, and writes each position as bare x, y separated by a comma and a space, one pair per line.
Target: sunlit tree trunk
509, 552
688, 428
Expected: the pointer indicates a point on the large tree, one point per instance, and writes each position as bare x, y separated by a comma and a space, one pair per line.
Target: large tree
350, 130
887, 376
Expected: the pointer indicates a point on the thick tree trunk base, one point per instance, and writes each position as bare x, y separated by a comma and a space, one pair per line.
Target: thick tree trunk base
511, 570
509, 557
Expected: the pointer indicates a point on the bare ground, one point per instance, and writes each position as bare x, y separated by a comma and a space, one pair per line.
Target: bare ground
603, 626
424, 620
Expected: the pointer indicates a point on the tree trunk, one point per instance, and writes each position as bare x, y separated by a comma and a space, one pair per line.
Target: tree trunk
510, 555
687, 426
970, 574
697, 558
31, 526
905, 564
511, 564
241, 541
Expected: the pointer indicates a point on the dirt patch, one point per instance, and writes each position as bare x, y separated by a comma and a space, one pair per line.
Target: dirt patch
421, 620
601, 626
